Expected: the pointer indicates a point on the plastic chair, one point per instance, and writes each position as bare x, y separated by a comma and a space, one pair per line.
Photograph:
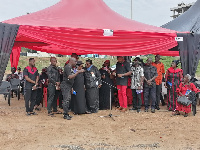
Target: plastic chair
5, 89
15, 86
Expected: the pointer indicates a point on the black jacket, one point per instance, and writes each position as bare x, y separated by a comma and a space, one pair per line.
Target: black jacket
53, 75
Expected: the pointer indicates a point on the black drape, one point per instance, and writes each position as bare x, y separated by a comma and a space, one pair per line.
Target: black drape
189, 50
8, 33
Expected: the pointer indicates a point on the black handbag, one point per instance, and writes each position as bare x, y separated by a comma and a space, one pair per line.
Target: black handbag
183, 100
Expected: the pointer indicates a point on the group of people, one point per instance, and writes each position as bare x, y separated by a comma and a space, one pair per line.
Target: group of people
86, 89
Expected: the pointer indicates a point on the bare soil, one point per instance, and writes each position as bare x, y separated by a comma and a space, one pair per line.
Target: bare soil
129, 131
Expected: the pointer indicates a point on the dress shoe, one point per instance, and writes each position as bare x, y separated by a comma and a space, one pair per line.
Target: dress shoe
153, 110
67, 117
146, 110
158, 108
186, 114
139, 110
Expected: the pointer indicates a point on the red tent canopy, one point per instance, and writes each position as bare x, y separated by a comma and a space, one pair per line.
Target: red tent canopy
77, 26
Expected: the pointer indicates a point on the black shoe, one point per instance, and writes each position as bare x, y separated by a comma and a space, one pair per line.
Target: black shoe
133, 109
146, 110
153, 110
51, 114
67, 117
185, 115
158, 108
33, 113
88, 112
28, 114
139, 110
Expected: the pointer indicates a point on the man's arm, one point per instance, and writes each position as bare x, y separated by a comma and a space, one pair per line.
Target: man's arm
155, 75
74, 75
128, 69
29, 80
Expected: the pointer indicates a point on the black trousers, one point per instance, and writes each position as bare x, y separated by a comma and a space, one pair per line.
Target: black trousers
60, 100
66, 92
158, 91
39, 96
149, 94
92, 99
137, 100
52, 98
30, 97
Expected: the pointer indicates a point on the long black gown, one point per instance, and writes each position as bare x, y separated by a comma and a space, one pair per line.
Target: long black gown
92, 81
104, 91
79, 101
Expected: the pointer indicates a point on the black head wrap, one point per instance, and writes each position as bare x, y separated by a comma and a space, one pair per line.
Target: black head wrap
176, 62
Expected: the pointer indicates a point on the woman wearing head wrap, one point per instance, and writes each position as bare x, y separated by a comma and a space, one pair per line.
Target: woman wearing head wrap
173, 78
184, 89
104, 91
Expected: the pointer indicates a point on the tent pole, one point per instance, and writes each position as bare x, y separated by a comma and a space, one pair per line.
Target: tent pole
131, 9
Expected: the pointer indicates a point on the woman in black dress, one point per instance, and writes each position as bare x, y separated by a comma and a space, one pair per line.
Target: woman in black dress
104, 91
79, 101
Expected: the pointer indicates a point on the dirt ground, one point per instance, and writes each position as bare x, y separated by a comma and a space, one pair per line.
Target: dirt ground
129, 131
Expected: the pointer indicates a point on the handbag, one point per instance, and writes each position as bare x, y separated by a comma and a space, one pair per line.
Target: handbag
183, 100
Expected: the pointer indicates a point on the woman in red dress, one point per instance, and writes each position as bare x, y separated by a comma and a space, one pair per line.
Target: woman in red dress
173, 78
182, 91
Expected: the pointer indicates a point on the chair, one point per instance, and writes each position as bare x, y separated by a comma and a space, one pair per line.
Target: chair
15, 86
5, 89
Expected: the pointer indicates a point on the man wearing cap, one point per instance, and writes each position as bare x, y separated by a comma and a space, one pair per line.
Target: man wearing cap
53, 86
161, 71
137, 84
123, 70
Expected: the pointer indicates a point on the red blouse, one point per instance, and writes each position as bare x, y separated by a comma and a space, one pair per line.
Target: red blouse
183, 88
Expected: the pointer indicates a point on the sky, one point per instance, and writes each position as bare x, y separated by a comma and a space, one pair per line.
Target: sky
153, 12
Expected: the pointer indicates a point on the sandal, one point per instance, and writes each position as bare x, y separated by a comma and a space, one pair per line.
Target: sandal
175, 113
58, 112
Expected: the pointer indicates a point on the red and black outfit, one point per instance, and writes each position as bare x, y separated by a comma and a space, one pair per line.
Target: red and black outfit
183, 88
173, 79
30, 95
122, 68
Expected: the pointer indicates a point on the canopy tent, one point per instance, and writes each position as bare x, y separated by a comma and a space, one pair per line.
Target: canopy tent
190, 46
77, 26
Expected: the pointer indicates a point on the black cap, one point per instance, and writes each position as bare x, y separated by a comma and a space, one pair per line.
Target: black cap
79, 63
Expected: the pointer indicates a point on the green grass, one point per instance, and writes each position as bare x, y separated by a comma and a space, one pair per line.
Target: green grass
42, 62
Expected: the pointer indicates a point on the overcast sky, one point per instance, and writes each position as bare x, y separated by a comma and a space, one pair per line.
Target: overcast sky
153, 12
